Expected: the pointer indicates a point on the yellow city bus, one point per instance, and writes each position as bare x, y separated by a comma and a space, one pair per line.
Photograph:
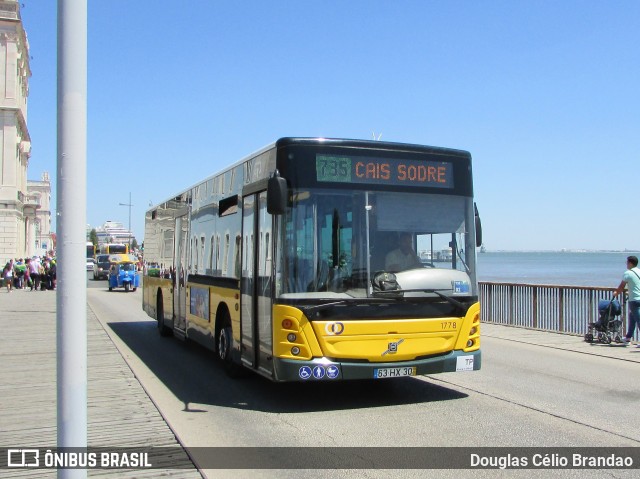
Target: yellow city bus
286, 263
114, 248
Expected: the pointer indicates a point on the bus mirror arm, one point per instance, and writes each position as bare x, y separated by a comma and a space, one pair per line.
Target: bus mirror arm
276, 195
478, 226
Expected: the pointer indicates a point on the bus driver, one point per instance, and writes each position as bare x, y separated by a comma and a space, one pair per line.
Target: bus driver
403, 257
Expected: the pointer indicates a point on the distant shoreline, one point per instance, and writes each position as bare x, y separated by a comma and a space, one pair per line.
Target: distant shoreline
626, 251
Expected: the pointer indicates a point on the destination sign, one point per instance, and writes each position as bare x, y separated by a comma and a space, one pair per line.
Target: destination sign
384, 171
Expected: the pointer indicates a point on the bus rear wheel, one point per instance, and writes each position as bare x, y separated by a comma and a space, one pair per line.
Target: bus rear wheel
162, 328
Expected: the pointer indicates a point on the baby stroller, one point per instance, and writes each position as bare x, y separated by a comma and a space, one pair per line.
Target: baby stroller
608, 328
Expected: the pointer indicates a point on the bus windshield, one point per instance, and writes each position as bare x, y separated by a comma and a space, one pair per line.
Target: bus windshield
335, 242
115, 248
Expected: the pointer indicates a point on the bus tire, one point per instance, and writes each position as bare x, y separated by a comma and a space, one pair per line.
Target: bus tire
224, 344
162, 328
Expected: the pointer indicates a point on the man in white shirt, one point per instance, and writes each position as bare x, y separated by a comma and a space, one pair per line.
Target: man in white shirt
403, 257
631, 279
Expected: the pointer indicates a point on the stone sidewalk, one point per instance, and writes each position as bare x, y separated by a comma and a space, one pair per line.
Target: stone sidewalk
120, 414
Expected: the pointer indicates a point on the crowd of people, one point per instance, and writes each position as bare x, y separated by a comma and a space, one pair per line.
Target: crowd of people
31, 274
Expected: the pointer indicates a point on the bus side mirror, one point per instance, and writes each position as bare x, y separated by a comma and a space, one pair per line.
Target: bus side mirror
478, 226
276, 195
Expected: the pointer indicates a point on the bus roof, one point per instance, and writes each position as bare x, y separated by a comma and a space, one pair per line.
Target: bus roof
312, 141
369, 144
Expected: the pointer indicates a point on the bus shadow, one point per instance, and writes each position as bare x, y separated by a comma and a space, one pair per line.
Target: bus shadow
194, 375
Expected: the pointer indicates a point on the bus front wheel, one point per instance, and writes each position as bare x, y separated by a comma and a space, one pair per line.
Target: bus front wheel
224, 344
224, 348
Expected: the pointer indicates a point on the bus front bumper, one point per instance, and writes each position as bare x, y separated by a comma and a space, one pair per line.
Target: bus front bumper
323, 369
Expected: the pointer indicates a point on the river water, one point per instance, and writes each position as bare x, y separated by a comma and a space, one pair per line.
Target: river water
554, 268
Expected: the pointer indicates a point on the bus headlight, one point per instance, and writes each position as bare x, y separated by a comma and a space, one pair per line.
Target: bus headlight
295, 350
473, 331
291, 337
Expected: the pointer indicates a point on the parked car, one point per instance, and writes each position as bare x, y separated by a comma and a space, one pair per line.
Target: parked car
90, 264
101, 267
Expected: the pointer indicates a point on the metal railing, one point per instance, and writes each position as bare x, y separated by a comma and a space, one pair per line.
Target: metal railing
565, 309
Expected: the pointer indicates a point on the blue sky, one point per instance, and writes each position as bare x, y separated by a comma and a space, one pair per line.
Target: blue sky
544, 94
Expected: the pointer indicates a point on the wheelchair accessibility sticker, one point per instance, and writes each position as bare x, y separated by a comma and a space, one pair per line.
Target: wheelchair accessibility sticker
319, 372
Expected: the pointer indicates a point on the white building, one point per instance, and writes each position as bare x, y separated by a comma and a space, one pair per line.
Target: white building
40, 241
114, 232
17, 207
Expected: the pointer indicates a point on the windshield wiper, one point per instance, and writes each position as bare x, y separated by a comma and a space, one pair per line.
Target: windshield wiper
451, 300
357, 301
320, 307
455, 302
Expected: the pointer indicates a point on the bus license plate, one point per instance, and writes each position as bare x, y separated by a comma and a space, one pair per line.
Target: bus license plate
383, 373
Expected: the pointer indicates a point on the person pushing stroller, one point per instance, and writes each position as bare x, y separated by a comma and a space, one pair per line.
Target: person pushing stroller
631, 279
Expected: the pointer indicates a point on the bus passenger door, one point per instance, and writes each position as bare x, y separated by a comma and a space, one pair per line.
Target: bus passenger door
180, 275
256, 302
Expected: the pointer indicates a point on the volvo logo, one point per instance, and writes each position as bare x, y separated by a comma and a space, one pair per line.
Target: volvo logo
333, 329
393, 347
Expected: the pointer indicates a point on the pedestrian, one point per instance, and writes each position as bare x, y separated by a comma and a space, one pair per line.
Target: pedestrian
45, 277
27, 274
7, 275
34, 273
43, 274
631, 279
52, 272
19, 271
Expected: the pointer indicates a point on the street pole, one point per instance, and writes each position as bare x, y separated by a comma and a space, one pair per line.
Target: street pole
71, 211
129, 205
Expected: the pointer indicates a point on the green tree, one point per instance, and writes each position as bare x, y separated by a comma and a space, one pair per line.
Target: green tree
134, 244
93, 237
